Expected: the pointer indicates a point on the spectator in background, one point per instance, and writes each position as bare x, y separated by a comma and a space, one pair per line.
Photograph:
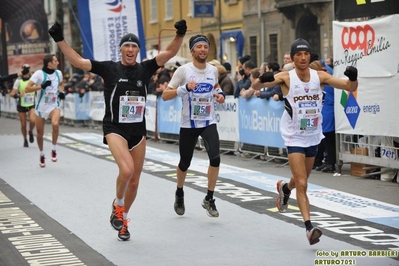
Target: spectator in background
242, 60
250, 92
224, 80
327, 145
227, 66
287, 59
330, 62
162, 85
25, 105
274, 91
244, 81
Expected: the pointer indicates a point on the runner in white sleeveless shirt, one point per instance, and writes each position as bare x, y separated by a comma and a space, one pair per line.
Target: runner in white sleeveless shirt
47, 83
301, 123
197, 84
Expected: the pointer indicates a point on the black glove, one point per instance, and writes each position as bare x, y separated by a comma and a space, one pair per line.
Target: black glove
16, 96
181, 27
46, 84
61, 95
351, 73
56, 32
266, 77
25, 70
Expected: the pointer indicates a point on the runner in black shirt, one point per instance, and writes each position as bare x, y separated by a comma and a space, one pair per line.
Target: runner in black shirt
126, 84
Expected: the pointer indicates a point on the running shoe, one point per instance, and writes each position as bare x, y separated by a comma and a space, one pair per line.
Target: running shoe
26, 143
53, 155
116, 218
123, 234
31, 137
42, 162
313, 235
179, 205
282, 199
210, 207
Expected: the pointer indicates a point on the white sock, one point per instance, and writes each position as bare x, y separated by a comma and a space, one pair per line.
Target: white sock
120, 202
124, 216
41, 153
54, 147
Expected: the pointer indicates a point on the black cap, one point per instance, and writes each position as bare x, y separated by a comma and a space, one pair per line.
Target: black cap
129, 38
299, 45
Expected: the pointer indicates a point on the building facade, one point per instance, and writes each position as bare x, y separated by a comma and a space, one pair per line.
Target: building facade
264, 29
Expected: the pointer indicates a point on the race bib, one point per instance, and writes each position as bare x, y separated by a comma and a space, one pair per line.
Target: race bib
201, 108
131, 109
50, 97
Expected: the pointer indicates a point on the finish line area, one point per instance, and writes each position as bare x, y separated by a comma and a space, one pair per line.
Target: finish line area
66, 206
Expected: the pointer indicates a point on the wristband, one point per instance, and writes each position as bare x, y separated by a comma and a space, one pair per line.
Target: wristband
220, 91
182, 90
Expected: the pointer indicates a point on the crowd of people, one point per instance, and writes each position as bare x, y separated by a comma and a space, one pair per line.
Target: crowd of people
307, 127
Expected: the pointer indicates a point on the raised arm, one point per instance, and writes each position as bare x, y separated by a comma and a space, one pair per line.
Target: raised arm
71, 55
268, 79
173, 47
338, 83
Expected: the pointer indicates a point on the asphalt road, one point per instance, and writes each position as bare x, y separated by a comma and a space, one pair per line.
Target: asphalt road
59, 215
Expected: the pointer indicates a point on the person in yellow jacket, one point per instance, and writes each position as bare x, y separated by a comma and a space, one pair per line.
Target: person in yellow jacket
26, 104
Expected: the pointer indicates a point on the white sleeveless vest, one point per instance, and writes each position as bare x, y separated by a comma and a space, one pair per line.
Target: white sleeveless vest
301, 122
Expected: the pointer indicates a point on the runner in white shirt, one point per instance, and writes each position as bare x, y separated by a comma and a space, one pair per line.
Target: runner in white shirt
301, 123
49, 88
197, 84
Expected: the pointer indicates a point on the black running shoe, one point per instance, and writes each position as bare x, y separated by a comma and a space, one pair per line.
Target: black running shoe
31, 137
179, 205
116, 218
26, 143
210, 207
123, 234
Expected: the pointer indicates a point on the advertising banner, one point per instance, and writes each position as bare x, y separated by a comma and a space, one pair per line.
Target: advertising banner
151, 112
372, 47
227, 117
26, 36
104, 23
259, 122
169, 115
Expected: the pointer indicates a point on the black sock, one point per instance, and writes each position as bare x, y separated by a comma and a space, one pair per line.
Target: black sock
209, 195
308, 225
286, 190
179, 192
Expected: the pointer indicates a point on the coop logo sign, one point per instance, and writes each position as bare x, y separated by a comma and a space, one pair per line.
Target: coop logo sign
359, 38
359, 42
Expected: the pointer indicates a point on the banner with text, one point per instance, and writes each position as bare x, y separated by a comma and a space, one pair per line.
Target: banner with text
104, 23
259, 122
373, 47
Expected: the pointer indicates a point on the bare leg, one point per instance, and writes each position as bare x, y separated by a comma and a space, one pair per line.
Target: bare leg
301, 168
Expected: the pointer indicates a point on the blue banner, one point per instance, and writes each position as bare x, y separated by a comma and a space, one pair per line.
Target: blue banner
259, 122
169, 115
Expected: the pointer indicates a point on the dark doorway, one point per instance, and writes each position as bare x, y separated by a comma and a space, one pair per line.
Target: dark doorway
309, 30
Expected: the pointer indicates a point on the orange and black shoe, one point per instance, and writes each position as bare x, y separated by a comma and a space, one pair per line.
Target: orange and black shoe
116, 218
123, 234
